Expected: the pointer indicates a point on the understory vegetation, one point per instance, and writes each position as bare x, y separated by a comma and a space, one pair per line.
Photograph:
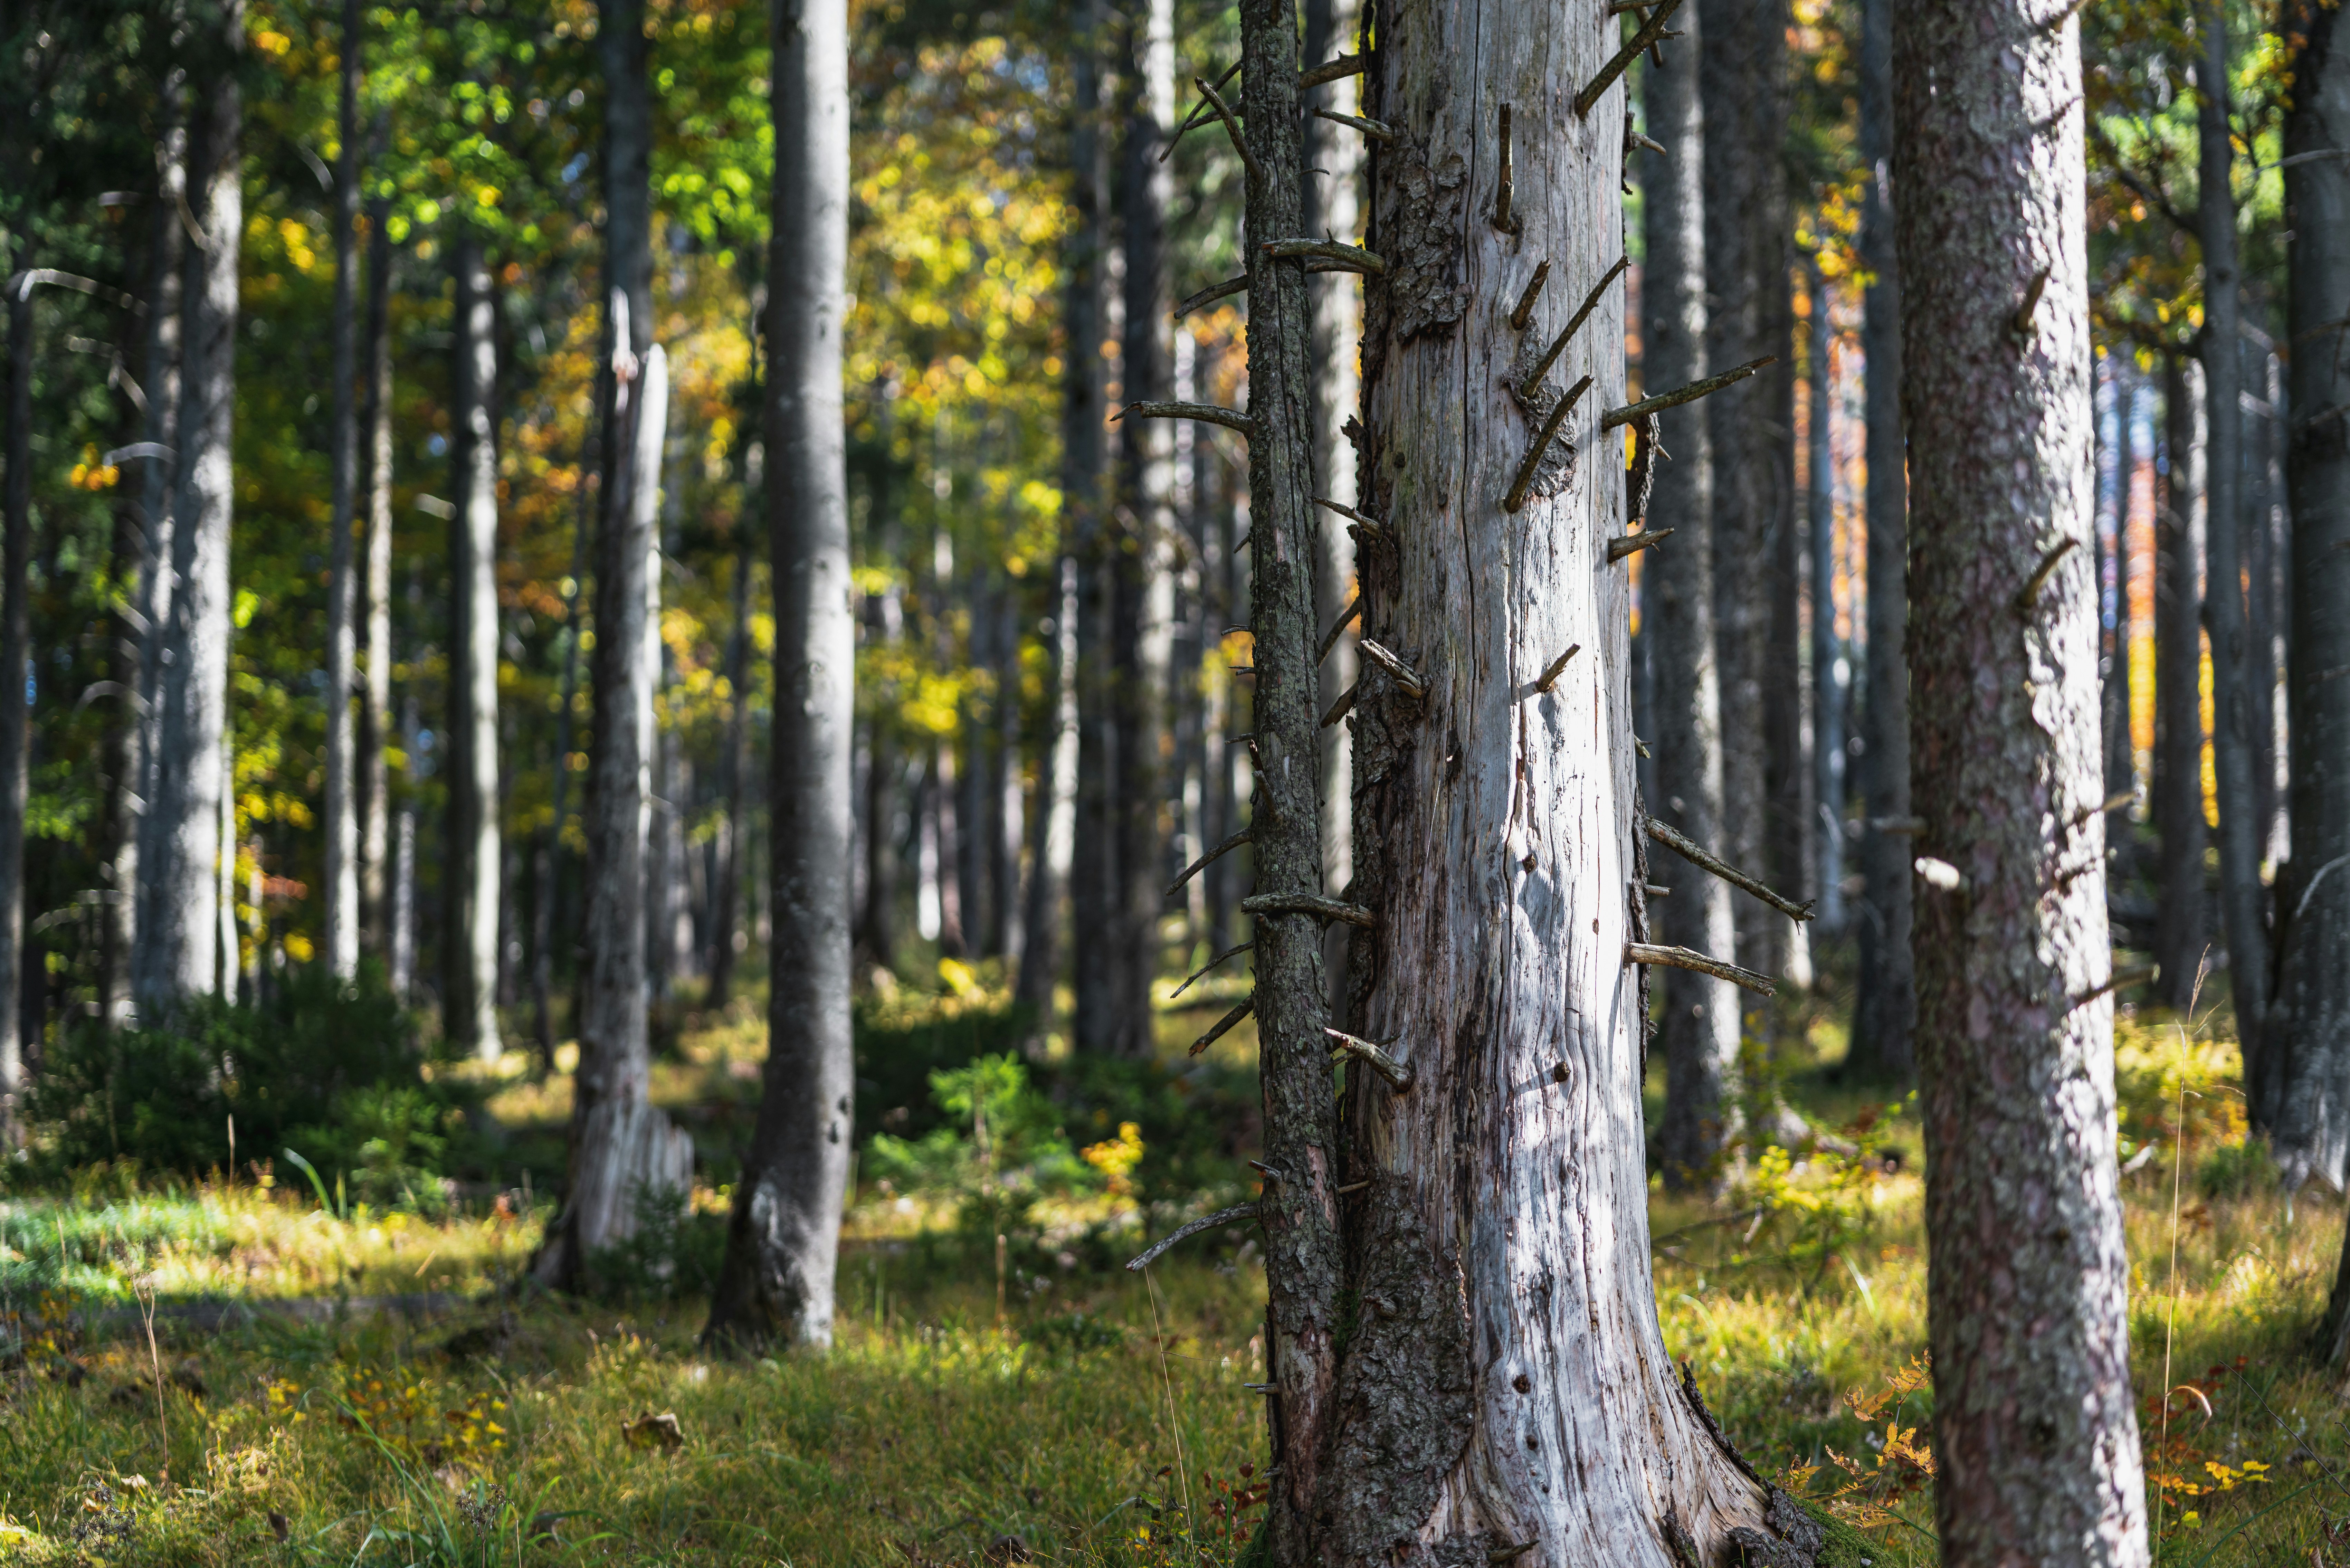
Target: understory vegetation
342, 1364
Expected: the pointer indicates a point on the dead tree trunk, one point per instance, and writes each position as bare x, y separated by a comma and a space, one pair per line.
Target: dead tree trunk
1886, 1007
2179, 821
341, 893
182, 850
2029, 1279
473, 860
2303, 1092
2242, 901
1700, 1025
778, 1280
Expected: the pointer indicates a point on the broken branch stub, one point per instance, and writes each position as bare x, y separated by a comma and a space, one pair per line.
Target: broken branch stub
1683, 958
1208, 413
1205, 1223
1616, 418
1309, 904
1373, 1057
1697, 854
1638, 45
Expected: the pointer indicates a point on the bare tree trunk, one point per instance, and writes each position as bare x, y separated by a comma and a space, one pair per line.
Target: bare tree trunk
1698, 1027
726, 901
1497, 847
2303, 1092
2242, 901
2028, 1284
1885, 1010
1831, 670
15, 637
402, 936
1051, 816
2178, 822
158, 492
1332, 195
341, 893
2264, 551
778, 1276
182, 848
1144, 570
2121, 752
375, 700
471, 860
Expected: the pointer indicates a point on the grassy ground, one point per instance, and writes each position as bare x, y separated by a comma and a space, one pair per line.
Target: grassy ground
983, 1406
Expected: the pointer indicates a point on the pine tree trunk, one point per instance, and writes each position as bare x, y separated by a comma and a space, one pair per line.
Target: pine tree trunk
401, 938
2035, 1427
182, 850
2303, 1092
1145, 559
471, 864
1699, 1026
2242, 901
1884, 1009
1830, 669
2121, 752
2179, 822
778, 1275
1496, 843
16, 636
726, 900
340, 895
375, 700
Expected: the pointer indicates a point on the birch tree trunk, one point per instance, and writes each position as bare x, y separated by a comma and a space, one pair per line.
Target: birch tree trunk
2304, 1094
183, 851
375, 700
1496, 847
472, 860
2178, 791
777, 1279
1698, 1027
2036, 1426
341, 893
2242, 901
1144, 570
15, 629
1884, 1009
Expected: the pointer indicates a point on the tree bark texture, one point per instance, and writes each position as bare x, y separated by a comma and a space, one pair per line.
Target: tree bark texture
1884, 1007
375, 699
2303, 1092
2121, 748
1511, 1385
778, 1280
1144, 562
181, 847
2244, 913
2178, 791
472, 861
1748, 233
341, 893
1831, 670
1698, 1029
733, 844
15, 629
2035, 1427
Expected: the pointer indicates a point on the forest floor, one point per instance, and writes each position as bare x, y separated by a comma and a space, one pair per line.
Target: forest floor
230, 1375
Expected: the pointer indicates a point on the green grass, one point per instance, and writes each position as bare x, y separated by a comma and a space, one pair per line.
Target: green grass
1098, 1418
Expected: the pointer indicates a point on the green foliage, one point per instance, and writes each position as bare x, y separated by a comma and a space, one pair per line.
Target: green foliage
676, 1252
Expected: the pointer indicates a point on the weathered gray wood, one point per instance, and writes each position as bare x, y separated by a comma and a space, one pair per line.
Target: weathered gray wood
473, 861
2304, 1091
1885, 1006
2028, 1278
778, 1280
1494, 837
339, 898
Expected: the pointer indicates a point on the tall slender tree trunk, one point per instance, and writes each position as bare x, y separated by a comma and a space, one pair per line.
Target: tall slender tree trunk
473, 860
183, 849
375, 692
1698, 1029
2303, 1092
401, 939
341, 893
1144, 557
2243, 914
1746, 239
2179, 821
1093, 858
1332, 204
2121, 752
1052, 815
1885, 1006
158, 491
1497, 851
2028, 1284
778, 1275
15, 637
726, 900
1831, 671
